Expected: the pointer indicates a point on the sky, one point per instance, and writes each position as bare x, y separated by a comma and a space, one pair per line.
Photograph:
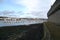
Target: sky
25, 8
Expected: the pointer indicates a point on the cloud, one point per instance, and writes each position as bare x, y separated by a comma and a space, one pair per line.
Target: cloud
34, 8
34, 5
52, 2
31, 5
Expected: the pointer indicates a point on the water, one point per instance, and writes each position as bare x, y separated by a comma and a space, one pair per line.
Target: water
21, 22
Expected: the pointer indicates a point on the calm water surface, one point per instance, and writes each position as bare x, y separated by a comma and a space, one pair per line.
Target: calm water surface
21, 22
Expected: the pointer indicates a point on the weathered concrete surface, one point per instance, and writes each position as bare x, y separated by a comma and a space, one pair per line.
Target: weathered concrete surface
53, 31
47, 35
53, 24
55, 18
54, 13
54, 8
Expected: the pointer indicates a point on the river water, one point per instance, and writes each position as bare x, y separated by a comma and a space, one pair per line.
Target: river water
21, 22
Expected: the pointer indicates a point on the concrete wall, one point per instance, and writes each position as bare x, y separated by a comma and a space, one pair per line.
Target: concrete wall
55, 17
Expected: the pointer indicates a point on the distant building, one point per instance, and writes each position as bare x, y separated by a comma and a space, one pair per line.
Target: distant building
20, 21
54, 13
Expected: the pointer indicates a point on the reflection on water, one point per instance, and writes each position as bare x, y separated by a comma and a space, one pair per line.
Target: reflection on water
21, 22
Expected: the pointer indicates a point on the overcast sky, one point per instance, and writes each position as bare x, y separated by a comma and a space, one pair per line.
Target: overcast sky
25, 8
